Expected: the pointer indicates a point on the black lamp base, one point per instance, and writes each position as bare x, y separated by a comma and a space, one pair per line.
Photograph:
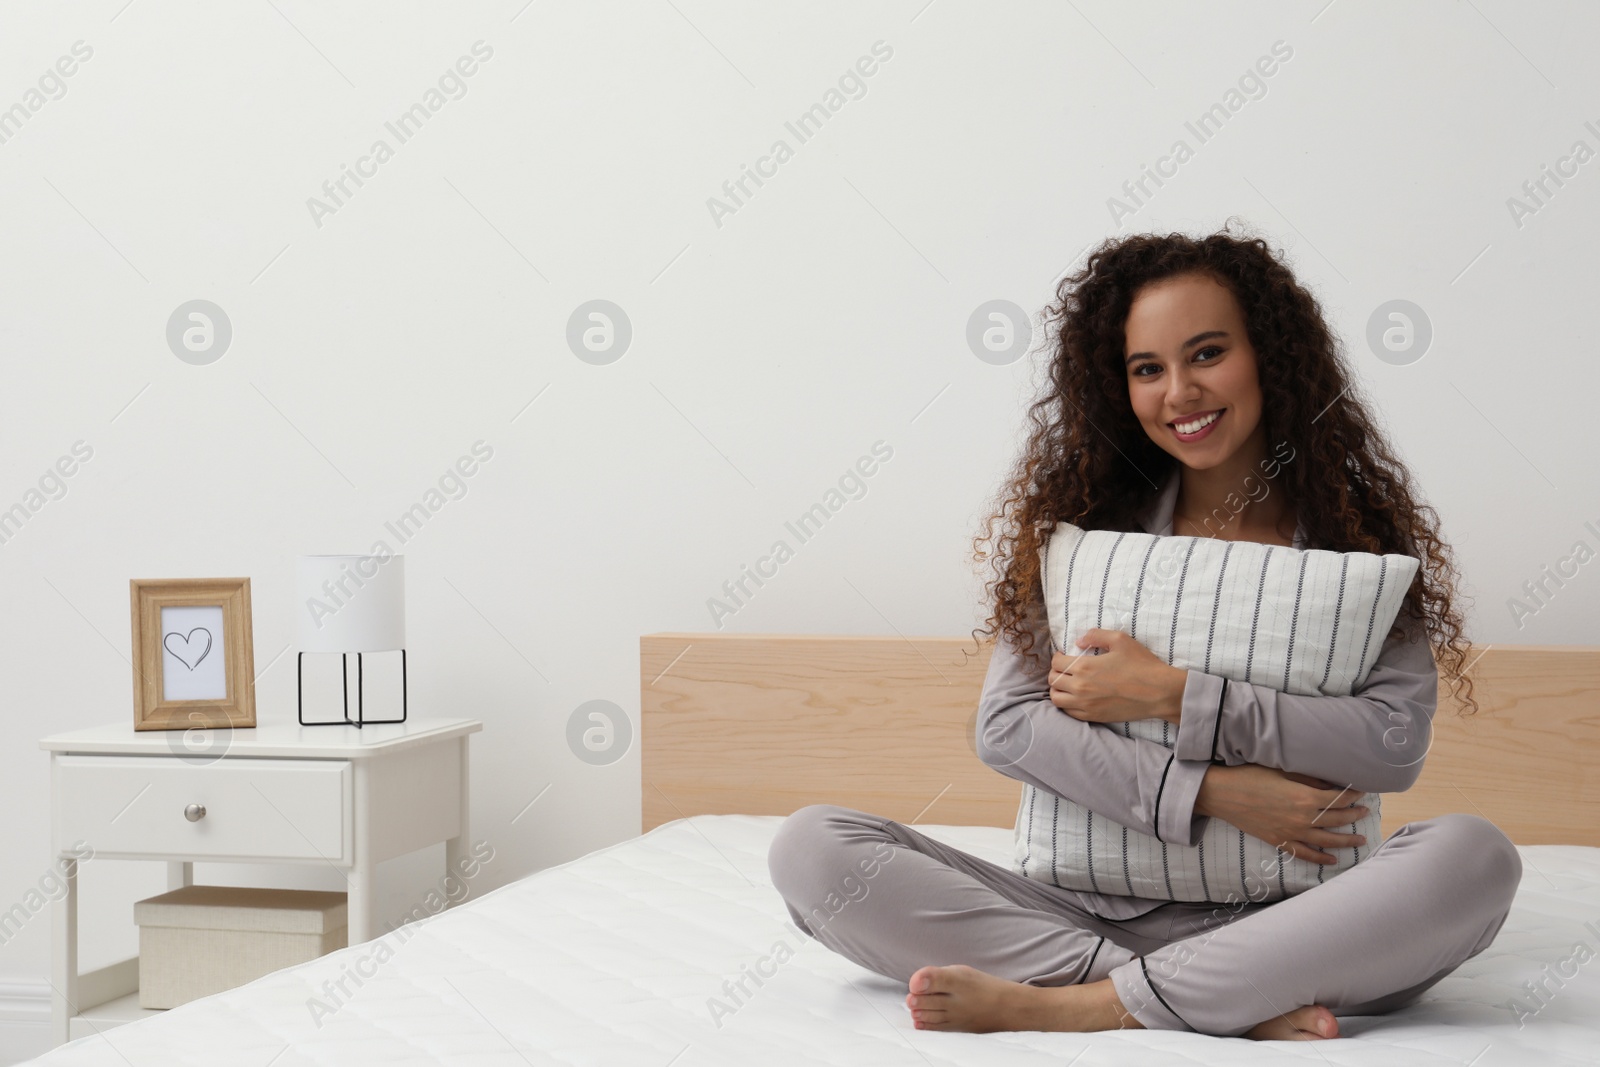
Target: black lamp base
359, 721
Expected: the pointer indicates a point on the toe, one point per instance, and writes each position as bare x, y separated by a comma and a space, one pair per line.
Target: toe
945, 979
952, 978
1311, 1022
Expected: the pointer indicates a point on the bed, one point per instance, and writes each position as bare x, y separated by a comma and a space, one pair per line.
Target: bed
629, 955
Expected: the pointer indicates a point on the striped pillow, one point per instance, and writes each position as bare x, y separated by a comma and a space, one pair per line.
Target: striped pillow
1302, 621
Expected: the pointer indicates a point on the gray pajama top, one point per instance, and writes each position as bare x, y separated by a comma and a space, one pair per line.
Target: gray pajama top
1372, 740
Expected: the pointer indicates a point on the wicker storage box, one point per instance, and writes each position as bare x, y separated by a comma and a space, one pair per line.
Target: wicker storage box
203, 939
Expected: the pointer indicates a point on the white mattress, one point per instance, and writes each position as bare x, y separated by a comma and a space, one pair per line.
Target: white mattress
614, 958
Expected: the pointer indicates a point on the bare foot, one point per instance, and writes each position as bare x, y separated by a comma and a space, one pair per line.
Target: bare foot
1310, 1023
963, 998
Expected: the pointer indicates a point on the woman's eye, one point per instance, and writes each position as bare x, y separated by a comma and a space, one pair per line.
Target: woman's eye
1215, 350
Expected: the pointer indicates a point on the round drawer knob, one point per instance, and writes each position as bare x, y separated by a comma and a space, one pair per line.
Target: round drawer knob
194, 812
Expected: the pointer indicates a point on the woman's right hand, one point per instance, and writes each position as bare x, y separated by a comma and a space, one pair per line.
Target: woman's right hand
1282, 808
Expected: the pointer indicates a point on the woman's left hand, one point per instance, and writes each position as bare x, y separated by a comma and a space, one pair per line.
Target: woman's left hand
1125, 683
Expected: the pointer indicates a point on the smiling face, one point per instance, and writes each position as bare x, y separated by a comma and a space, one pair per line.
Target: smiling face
1192, 375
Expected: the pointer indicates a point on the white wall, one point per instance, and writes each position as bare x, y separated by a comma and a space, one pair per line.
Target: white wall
374, 345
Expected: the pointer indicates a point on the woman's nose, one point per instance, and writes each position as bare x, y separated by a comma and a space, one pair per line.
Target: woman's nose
1181, 389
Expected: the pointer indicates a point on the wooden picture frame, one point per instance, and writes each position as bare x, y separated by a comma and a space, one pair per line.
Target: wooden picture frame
184, 675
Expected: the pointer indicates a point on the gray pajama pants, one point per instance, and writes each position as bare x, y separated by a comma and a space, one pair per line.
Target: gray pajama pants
1432, 894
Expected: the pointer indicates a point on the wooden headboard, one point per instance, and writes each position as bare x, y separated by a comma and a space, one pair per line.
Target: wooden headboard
765, 724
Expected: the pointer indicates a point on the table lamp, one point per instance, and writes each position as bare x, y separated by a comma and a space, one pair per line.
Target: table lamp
351, 604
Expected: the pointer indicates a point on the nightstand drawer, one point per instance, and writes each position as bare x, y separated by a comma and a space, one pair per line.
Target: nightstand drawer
266, 809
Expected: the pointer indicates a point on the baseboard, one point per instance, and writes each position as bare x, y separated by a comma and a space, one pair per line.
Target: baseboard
24, 1021
25, 1002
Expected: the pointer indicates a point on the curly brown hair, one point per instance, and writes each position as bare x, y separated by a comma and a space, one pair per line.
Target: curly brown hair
1088, 461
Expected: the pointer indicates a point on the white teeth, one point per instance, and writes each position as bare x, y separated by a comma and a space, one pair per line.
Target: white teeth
1197, 424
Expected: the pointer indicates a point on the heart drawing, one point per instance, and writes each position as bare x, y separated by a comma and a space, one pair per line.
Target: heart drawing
188, 656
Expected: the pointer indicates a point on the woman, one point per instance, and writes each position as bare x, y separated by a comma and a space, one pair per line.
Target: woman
1177, 365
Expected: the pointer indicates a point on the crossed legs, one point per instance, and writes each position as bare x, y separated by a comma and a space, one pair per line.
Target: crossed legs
1433, 894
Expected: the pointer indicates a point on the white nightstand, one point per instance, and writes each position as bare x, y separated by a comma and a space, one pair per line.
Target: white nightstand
330, 795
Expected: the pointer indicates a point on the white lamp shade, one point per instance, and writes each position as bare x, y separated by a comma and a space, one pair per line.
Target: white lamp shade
351, 603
